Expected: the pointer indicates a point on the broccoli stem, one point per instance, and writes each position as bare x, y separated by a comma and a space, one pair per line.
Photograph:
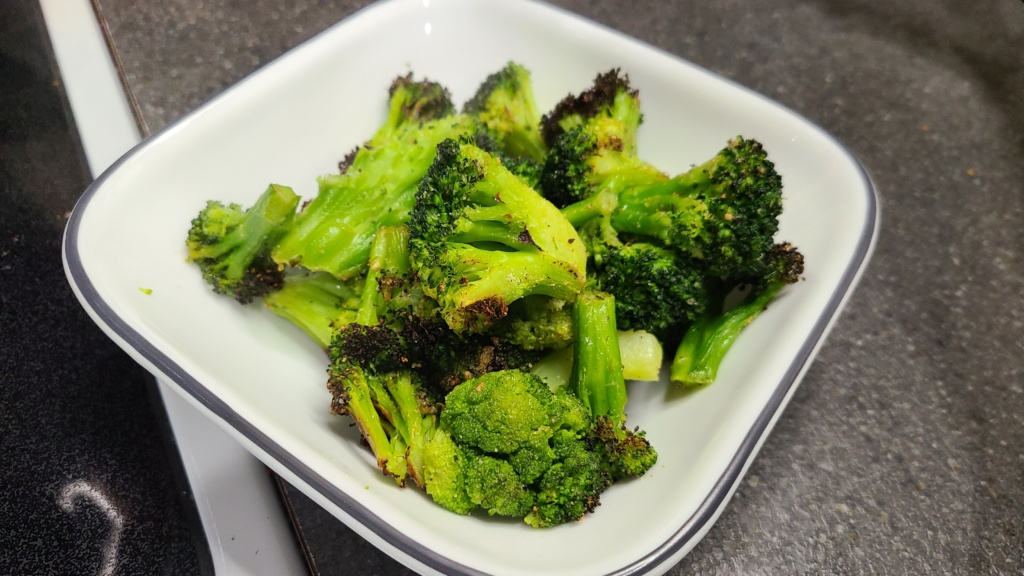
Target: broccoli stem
274, 207
317, 303
709, 338
389, 253
597, 378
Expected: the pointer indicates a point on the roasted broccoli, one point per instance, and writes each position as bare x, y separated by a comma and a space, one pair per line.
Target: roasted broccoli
333, 232
484, 283
231, 245
316, 302
504, 103
597, 380
705, 343
481, 239
525, 449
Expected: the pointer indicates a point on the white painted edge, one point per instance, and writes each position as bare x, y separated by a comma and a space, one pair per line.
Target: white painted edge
246, 528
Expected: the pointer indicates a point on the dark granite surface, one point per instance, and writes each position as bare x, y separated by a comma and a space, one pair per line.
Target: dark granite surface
86, 479
902, 450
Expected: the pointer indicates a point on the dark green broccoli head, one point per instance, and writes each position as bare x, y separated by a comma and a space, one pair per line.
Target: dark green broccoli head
655, 289
566, 176
232, 245
480, 239
593, 143
504, 103
744, 203
724, 212
610, 96
571, 487
783, 264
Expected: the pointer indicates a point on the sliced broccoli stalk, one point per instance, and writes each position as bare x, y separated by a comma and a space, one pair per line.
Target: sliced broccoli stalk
480, 239
597, 379
334, 231
231, 245
641, 353
316, 302
708, 340
504, 104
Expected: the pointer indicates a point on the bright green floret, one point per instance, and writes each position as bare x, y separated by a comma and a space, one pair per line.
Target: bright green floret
481, 239
231, 245
504, 103
706, 342
526, 450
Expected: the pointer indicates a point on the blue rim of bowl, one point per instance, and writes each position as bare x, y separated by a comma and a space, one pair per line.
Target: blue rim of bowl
702, 518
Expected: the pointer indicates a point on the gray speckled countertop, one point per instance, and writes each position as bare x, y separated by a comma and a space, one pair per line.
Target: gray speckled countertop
903, 449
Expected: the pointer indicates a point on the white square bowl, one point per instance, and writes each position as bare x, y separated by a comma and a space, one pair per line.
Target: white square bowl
263, 381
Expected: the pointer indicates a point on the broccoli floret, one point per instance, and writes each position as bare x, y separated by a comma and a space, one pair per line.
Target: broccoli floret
706, 342
526, 450
724, 212
571, 486
610, 96
396, 414
597, 380
316, 302
593, 143
410, 103
334, 231
231, 245
494, 485
414, 102
481, 239
504, 103
655, 289
536, 323
499, 411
